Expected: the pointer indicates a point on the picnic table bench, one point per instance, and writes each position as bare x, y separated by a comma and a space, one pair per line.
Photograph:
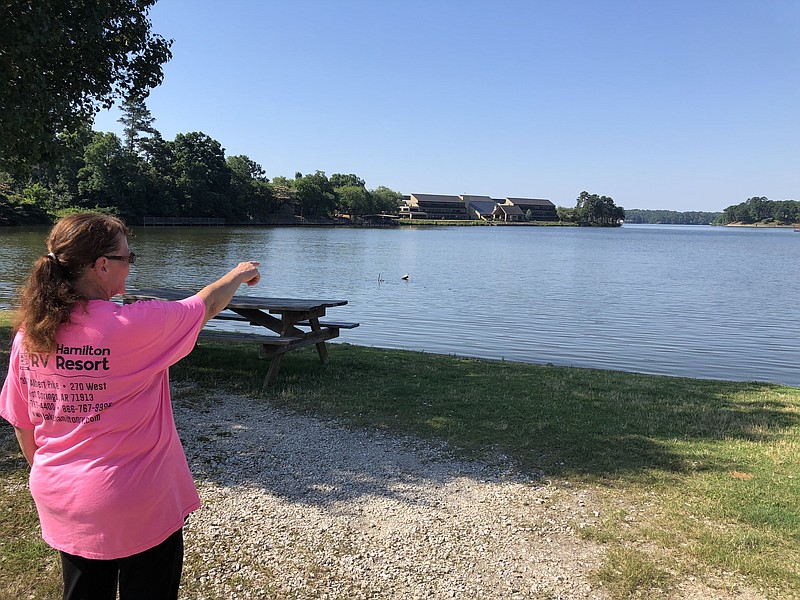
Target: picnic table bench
260, 313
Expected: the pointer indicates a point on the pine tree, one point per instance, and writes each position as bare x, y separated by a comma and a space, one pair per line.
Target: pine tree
137, 120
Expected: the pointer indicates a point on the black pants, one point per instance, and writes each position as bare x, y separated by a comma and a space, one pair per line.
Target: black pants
154, 574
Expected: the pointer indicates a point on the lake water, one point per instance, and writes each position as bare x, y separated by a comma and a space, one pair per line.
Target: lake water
711, 302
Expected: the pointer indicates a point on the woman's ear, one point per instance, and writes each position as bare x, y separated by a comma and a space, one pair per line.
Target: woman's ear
100, 268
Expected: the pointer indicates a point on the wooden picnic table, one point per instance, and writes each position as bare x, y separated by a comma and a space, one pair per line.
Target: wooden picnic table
293, 314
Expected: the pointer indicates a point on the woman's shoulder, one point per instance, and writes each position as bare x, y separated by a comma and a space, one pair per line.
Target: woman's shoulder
156, 304
149, 310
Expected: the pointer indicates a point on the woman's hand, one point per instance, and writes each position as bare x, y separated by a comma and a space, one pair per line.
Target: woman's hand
247, 272
217, 295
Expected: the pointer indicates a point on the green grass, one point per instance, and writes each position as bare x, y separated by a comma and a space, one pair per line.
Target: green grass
28, 567
630, 573
698, 477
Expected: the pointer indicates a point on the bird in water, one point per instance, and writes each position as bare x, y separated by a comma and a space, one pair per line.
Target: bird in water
405, 277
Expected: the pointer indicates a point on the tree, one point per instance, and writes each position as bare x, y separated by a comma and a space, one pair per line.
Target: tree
111, 177
567, 215
617, 215
386, 200
340, 180
671, 217
137, 119
282, 181
761, 209
61, 61
314, 194
251, 189
355, 200
201, 176
61, 177
25, 209
161, 190
592, 209
246, 169
282, 190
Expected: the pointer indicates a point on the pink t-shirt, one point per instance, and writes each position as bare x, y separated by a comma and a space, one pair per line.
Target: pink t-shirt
109, 477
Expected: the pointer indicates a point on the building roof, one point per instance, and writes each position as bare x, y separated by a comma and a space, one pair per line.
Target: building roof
436, 198
530, 201
484, 207
510, 209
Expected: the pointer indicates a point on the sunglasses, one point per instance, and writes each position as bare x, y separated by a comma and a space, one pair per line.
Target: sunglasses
131, 258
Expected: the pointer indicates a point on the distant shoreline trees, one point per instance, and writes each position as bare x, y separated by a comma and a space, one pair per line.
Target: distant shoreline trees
755, 210
190, 176
670, 217
761, 210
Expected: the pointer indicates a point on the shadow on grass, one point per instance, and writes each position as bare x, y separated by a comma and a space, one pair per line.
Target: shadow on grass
558, 420
313, 462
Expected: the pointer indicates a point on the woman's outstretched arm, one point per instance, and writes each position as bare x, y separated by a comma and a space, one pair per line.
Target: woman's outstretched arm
217, 295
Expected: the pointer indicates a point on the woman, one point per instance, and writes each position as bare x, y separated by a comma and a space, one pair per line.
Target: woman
87, 392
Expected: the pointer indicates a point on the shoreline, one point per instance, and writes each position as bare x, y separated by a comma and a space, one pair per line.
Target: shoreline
400, 223
763, 225
6, 318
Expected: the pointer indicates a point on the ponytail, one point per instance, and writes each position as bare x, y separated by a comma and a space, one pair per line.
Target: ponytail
48, 297
46, 301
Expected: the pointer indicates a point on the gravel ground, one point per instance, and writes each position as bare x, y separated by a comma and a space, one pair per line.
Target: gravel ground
297, 507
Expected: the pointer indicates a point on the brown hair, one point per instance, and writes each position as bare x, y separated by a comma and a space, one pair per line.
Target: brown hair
48, 296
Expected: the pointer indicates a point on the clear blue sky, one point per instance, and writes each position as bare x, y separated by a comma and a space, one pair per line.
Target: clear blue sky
660, 104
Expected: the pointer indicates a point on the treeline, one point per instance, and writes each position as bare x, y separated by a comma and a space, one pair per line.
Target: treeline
670, 217
141, 174
762, 210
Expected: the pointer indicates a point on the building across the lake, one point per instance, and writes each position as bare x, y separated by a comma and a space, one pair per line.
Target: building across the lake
508, 213
479, 207
436, 206
465, 206
535, 209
